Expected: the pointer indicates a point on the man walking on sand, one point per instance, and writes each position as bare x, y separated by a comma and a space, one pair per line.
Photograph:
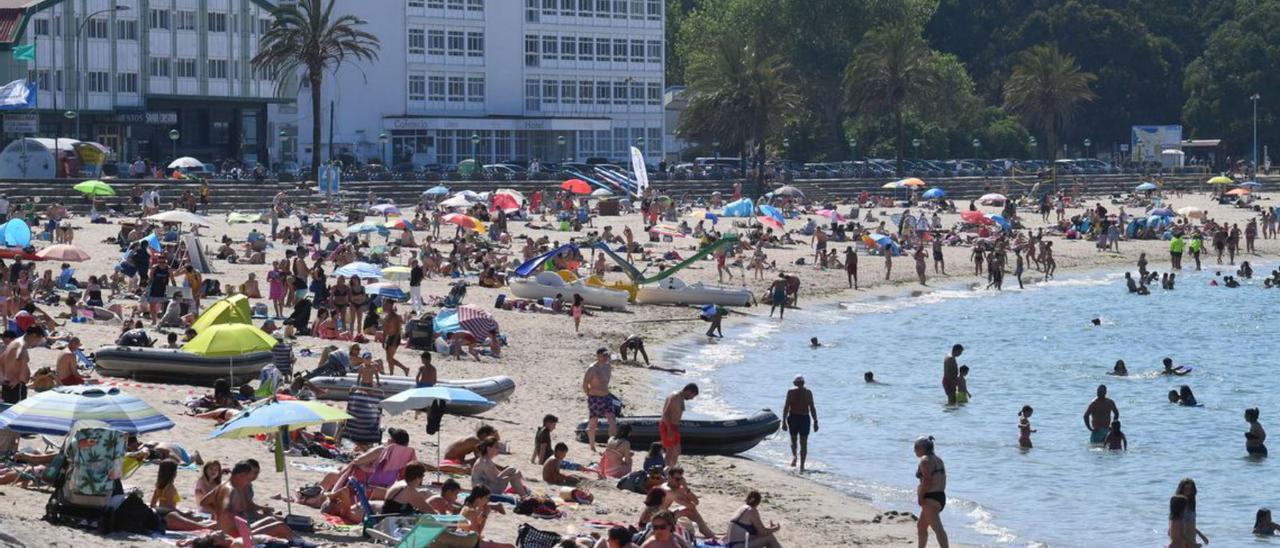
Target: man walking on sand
951, 373
1098, 416
796, 413
595, 383
669, 428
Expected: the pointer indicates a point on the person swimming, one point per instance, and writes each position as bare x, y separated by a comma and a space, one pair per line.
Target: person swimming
1170, 370
1116, 440
1173, 396
870, 378
1263, 524
813, 342
1255, 439
1024, 427
1096, 321
1185, 397
1119, 370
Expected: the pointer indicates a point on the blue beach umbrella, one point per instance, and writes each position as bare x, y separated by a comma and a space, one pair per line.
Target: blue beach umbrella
1000, 220
422, 398
436, 191
774, 212
1162, 212
55, 411
365, 228
934, 193
1146, 186
16, 233
360, 270
1250, 184
739, 208
386, 291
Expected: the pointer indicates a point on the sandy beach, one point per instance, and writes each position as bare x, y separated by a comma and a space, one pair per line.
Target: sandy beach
546, 359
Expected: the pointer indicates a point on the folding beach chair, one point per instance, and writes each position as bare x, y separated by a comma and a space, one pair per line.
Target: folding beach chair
83, 361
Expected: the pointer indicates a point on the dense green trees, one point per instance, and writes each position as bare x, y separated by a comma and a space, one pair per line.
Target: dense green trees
1194, 62
1046, 88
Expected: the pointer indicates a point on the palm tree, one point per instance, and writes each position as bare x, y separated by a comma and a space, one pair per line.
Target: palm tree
741, 95
1045, 89
307, 37
891, 71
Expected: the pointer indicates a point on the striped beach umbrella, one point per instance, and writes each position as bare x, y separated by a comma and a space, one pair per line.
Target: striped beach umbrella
271, 416
359, 269
469, 318
386, 291
464, 221
56, 411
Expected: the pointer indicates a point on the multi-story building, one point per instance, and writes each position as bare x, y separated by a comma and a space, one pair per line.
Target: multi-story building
494, 80
129, 72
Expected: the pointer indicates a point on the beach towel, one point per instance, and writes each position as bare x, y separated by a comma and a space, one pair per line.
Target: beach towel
366, 412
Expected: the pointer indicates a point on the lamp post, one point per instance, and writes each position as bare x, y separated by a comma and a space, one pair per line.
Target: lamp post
560, 140
977, 147
382, 139
1031, 143
84, 50
284, 145
853, 149
1255, 98
1087, 144
475, 150
786, 145
174, 135
915, 148
715, 147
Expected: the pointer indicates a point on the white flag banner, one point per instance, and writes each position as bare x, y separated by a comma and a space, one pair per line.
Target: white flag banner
17, 95
642, 173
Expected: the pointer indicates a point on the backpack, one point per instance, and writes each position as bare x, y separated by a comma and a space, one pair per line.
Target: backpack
134, 516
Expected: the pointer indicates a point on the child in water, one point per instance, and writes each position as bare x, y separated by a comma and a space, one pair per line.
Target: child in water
1263, 525
1116, 441
1024, 427
962, 387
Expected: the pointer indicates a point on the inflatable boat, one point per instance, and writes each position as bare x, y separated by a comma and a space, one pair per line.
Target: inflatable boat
549, 284
675, 291
698, 437
172, 364
495, 389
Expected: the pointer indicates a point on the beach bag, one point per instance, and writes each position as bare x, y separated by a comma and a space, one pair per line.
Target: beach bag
133, 515
536, 505
634, 481
529, 537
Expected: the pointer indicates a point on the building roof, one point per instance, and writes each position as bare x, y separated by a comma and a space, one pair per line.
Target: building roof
1201, 143
14, 15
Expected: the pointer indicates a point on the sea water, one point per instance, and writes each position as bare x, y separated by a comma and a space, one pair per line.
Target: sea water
1035, 347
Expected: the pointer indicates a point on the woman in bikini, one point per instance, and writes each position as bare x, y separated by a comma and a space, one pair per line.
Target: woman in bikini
747, 530
340, 296
1255, 440
356, 305
931, 493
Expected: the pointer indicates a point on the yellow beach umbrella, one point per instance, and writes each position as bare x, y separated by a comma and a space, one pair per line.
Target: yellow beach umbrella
1221, 180
395, 273
231, 339
230, 310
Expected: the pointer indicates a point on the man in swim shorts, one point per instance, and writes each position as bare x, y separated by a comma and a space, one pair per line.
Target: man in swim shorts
1098, 416
392, 325
951, 373
669, 427
797, 411
595, 384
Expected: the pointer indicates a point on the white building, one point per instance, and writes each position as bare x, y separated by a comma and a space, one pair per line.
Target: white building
524, 79
132, 71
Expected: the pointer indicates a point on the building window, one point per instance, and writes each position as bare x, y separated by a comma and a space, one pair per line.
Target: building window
568, 48
456, 5
127, 82
159, 19
159, 67
637, 51
549, 7
435, 4
475, 89
416, 3
126, 29
655, 51
184, 68
97, 28
217, 22
587, 92
584, 8
603, 92
620, 50
417, 87
637, 9
532, 95
550, 45
457, 43
550, 91
475, 44
475, 5
435, 42
531, 50
655, 9
264, 25
655, 93
218, 68
417, 41
531, 12
457, 89
586, 50
56, 26
220, 133
184, 20
620, 92
99, 82
435, 88
41, 27
637, 93
569, 92
566, 7
602, 50
620, 9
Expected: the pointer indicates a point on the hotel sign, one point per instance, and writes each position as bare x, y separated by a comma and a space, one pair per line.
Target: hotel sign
151, 118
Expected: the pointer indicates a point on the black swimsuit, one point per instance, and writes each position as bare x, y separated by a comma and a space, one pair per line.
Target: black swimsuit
939, 496
394, 507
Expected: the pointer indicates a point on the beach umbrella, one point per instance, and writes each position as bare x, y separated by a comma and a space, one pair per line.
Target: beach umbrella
1251, 185
910, 182
422, 398
399, 223
385, 209
992, 199
1221, 180
975, 217
63, 252
55, 411
15, 233
467, 317
666, 230
185, 162
386, 291
94, 187
278, 417
359, 269
1191, 211
831, 214
788, 191
465, 221
230, 310
181, 216
738, 208
892, 186
602, 193
519, 196
1000, 220
1239, 192
1146, 186
576, 186
703, 214
230, 339
506, 202
774, 212
880, 241
457, 201
395, 273
469, 195
770, 221
1161, 212
366, 227
436, 191
934, 194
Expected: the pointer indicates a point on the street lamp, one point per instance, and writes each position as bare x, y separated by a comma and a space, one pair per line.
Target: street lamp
475, 149
1031, 143
915, 147
786, 145
1255, 98
382, 138
85, 55
977, 145
1087, 143
174, 135
853, 149
715, 146
284, 145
